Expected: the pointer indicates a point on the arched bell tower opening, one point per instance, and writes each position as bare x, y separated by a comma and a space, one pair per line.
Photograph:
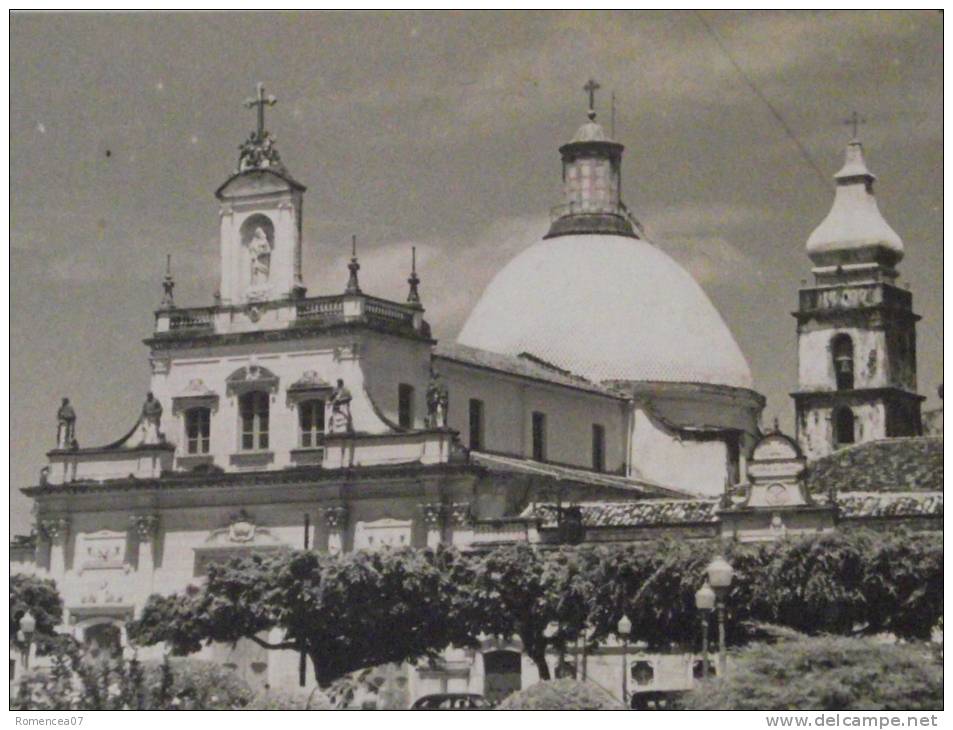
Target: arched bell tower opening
842, 350
844, 427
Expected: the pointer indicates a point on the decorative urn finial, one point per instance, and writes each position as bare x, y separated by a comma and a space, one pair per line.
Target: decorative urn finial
413, 296
353, 287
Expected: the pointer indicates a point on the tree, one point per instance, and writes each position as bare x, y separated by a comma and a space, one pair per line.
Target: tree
654, 584
541, 596
903, 584
825, 673
345, 612
40, 597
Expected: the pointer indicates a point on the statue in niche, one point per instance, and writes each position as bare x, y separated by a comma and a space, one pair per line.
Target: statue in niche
438, 401
65, 425
341, 409
150, 420
260, 250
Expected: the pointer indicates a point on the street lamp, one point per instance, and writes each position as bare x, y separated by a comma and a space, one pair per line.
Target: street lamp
624, 629
705, 603
720, 574
27, 627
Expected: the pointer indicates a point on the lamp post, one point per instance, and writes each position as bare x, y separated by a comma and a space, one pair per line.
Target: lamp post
624, 628
720, 574
705, 603
27, 627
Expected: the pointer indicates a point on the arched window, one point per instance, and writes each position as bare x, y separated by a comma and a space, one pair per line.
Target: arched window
310, 422
253, 408
843, 426
842, 350
197, 430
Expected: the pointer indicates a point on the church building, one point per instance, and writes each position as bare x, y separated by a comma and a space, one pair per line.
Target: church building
276, 419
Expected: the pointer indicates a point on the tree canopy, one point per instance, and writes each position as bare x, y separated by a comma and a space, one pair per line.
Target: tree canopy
40, 597
361, 609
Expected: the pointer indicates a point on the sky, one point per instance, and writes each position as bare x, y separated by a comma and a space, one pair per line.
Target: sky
441, 130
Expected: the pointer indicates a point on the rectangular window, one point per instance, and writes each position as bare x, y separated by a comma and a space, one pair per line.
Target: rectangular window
405, 405
253, 410
539, 436
598, 447
311, 422
197, 422
476, 425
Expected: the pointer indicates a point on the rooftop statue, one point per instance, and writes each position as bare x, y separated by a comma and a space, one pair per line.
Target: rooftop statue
438, 401
65, 425
341, 409
150, 420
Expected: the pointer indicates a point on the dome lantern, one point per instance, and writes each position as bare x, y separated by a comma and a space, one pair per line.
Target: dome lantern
592, 182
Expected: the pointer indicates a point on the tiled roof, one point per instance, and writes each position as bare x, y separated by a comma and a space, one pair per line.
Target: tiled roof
860, 505
527, 367
889, 465
646, 513
643, 487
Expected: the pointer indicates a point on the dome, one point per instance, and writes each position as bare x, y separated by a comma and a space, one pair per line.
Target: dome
854, 229
606, 307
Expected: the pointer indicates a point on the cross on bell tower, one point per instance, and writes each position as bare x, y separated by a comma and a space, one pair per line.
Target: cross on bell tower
261, 100
854, 121
591, 87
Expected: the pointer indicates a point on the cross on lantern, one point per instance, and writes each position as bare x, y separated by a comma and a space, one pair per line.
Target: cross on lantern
854, 121
591, 87
261, 101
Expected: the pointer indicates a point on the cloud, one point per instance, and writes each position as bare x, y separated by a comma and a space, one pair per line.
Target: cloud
453, 273
697, 236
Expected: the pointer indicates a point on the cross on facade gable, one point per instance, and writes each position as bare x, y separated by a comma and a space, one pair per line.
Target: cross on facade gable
261, 101
854, 121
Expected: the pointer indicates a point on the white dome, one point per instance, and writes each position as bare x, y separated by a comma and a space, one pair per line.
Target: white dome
606, 308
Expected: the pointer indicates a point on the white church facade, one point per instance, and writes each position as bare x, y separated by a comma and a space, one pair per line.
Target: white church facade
337, 422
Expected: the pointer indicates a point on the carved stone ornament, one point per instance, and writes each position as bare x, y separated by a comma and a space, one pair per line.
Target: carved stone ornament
460, 514
102, 595
159, 365
335, 517
144, 526
54, 529
433, 513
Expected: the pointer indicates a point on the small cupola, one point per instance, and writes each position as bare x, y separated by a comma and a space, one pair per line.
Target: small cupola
854, 235
592, 183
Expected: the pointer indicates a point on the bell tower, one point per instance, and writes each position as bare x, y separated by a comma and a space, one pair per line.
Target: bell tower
857, 369
260, 214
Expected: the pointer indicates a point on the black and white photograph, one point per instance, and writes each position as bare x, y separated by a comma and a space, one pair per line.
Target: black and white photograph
476, 360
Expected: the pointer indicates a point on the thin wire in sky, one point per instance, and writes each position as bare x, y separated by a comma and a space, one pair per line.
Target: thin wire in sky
757, 92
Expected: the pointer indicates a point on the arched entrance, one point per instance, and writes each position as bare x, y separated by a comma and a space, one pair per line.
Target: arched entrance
502, 674
103, 640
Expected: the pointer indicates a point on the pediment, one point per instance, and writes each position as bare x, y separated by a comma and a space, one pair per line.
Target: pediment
251, 377
254, 183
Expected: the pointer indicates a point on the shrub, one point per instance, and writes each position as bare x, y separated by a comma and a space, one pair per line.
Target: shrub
115, 684
825, 673
199, 685
278, 700
561, 694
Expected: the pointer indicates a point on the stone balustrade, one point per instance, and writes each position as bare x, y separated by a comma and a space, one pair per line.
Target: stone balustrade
285, 313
